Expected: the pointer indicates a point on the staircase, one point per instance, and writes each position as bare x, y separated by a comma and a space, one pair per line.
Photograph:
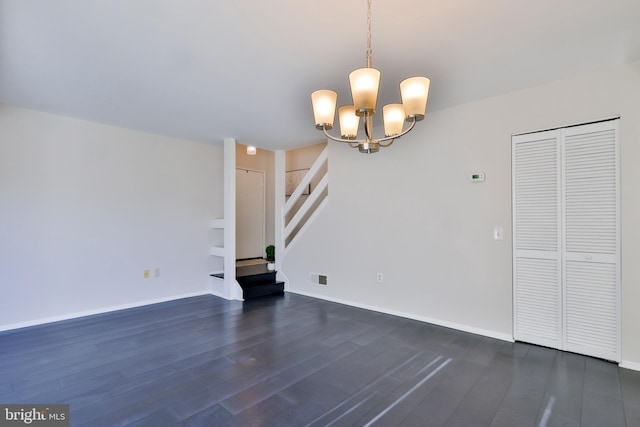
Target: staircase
256, 281
298, 211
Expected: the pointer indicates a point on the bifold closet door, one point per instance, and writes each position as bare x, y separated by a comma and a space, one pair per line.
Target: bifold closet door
536, 239
566, 243
591, 240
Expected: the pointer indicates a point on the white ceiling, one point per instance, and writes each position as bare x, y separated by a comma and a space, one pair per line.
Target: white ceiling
205, 70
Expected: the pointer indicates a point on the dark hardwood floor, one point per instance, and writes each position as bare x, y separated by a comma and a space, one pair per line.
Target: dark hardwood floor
297, 361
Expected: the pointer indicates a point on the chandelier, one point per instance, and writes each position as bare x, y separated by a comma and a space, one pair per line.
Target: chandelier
364, 84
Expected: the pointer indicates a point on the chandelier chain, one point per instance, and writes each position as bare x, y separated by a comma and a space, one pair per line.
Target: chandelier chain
369, 51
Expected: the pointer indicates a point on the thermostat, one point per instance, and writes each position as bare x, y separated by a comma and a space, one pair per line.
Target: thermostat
476, 177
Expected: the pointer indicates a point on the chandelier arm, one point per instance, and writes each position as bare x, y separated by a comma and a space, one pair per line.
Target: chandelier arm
354, 144
391, 138
387, 145
348, 141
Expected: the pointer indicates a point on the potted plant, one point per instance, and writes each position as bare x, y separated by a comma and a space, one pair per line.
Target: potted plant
271, 257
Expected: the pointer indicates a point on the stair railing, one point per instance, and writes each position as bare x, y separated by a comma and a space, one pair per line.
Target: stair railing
311, 206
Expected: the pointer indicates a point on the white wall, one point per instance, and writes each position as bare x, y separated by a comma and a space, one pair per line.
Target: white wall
85, 208
411, 213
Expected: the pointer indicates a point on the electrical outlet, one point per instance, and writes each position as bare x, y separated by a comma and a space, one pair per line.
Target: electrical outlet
156, 272
379, 278
146, 274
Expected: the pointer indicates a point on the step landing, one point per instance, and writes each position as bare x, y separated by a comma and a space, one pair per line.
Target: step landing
256, 281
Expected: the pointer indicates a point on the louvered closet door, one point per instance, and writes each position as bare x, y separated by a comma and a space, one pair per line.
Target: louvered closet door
591, 239
536, 244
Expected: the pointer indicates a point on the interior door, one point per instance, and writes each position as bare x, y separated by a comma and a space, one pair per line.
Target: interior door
591, 239
250, 214
537, 268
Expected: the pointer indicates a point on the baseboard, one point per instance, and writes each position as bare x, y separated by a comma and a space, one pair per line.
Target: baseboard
76, 315
281, 277
446, 324
216, 294
634, 366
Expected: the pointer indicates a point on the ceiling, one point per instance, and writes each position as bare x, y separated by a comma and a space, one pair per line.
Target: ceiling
206, 70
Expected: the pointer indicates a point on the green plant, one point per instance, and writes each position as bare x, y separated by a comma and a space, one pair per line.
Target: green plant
271, 253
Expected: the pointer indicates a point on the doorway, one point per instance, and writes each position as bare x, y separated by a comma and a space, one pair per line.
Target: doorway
250, 213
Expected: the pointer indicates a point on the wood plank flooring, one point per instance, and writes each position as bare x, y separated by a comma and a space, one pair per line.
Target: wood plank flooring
298, 361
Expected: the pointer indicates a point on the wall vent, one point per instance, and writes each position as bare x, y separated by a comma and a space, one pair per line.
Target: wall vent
317, 279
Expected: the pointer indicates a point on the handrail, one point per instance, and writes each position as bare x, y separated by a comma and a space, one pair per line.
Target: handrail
305, 181
322, 185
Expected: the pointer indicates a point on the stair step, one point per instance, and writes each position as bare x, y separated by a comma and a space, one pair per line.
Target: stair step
252, 270
256, 280
262, 290
255, 275
251, 274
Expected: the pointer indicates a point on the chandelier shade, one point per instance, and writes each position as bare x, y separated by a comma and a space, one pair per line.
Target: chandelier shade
414, 93
364, 83
349, 121
393, 116
324, 107
364, 89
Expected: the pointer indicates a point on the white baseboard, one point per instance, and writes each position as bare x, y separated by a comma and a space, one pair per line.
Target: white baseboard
219, 295
446, 324
97, 311
281, 277
634, 366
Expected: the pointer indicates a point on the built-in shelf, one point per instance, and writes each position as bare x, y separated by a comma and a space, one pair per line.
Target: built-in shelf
217, 223
217, 275
217, 251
